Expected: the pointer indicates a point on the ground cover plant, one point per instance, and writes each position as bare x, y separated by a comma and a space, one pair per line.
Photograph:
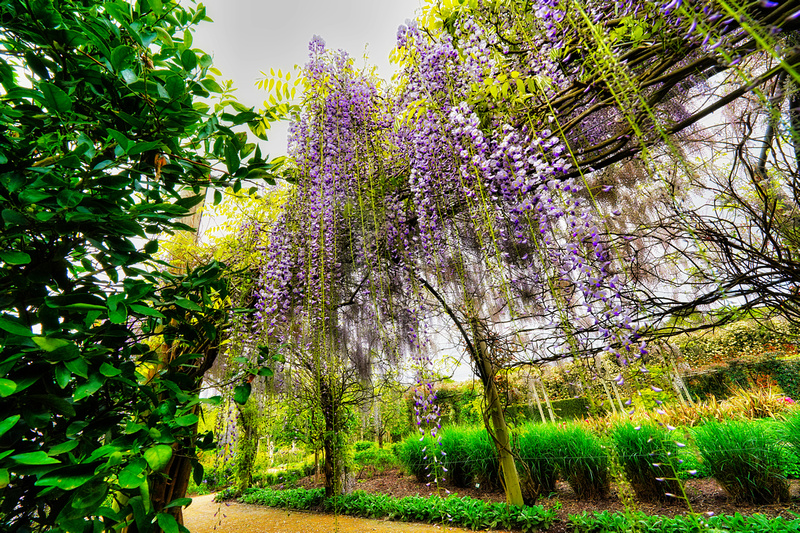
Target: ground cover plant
465, 512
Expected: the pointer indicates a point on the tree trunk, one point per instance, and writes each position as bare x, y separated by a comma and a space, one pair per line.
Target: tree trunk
499, 429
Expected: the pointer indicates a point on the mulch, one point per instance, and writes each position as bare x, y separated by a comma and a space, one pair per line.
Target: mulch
705, 496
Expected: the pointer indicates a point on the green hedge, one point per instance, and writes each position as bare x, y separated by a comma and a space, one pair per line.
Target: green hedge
569, 409
744, 373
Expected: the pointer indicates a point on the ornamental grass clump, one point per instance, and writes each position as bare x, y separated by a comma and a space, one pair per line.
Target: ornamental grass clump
459, 458
648, 456
538, 447
746, 460
412, 453
482, 464
582, 461
790, 431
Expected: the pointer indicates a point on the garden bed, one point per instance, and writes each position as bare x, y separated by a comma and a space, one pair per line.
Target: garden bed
705, 496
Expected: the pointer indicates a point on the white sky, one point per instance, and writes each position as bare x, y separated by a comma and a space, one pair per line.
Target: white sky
249, 36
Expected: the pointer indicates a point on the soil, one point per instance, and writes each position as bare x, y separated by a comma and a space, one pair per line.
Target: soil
705, 496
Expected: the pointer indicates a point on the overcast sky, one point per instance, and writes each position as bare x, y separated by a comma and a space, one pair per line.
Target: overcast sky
249, 36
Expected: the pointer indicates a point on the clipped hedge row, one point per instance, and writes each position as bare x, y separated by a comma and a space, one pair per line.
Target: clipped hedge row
464, 512
744, 373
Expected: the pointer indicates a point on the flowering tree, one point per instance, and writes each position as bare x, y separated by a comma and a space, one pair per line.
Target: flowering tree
476, 189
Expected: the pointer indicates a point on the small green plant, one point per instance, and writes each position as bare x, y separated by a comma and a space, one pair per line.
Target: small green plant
583, 461
538, 446
745, 459
648, 457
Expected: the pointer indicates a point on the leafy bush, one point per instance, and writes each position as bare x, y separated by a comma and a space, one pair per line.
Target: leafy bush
646, 453
583, 461
300, 499
287, 476
537, 445
746, 460
375, 459
362, 445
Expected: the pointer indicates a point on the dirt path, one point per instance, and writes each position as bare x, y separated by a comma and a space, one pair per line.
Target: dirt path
206, 516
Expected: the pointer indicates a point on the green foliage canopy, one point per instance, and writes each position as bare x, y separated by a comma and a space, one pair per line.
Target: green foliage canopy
104, 145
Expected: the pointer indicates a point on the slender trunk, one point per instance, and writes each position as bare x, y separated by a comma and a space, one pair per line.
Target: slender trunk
494, 410
538, 400
547, 402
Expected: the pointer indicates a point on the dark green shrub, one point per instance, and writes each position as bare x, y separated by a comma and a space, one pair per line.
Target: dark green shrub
537, 445
583, 461
647, 454
745, 459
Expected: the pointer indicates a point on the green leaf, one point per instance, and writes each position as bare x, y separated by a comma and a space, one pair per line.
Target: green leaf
180, 502
109, 371
167, 523
4, 478
64, 447
241, 393
186, 420
121, 139
131, 476
129, 76
89, 388
55, 98
78, 367
14, 218
231, 157
67, 478
7, 387
8, 423
34, 458
164, 37
158, 456
63, 376
211, 85
15, 258
14, 328
146, 311
187, 304
189, 60
49, 344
